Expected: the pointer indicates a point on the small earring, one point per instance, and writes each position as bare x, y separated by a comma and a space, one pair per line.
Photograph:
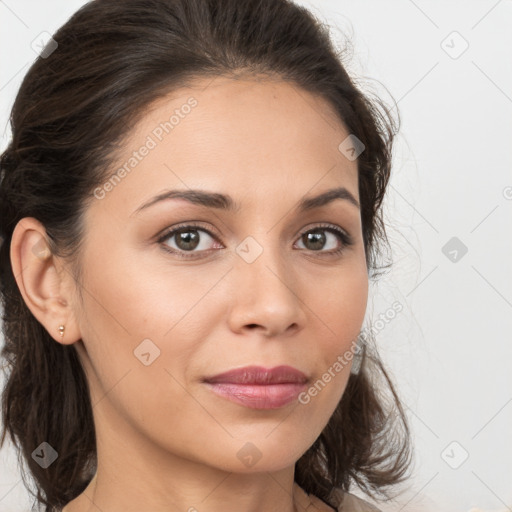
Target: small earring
61, 331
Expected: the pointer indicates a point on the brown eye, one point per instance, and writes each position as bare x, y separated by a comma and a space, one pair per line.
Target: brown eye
187, 239
316, 239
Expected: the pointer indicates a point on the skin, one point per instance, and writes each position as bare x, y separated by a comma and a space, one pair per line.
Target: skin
165, 442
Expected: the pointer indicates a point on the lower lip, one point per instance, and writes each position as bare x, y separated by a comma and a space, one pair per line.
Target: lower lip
254, 396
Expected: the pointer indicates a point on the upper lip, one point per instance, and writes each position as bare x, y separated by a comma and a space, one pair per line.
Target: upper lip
260, 375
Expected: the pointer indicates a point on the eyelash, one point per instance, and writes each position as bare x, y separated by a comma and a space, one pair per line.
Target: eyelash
345, 238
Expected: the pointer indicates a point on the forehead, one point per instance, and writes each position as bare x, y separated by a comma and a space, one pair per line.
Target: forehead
254, 137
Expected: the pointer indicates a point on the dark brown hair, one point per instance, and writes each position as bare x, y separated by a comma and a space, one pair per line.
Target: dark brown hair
73, 111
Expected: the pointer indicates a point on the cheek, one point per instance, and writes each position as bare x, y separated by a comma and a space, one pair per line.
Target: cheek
135, 313
132, 318
130, 296
340, 309
340, 306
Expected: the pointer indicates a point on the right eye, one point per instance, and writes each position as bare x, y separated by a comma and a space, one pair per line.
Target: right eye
187, 239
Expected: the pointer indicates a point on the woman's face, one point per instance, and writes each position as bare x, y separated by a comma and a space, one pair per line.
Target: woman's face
243, 286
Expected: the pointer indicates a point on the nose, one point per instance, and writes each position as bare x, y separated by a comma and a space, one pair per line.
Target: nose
265, 296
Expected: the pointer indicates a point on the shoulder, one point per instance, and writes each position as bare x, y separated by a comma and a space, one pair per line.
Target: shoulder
352, 503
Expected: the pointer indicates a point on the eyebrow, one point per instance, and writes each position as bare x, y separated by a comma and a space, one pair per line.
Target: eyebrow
225, 202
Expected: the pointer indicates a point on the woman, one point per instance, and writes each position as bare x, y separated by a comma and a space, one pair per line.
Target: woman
191, 212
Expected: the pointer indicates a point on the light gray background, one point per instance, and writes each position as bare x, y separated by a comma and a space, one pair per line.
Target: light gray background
450, 349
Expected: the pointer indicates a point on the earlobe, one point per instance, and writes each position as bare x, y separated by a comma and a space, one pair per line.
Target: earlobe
43, 284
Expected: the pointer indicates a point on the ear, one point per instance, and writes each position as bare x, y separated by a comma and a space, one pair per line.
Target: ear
47, 286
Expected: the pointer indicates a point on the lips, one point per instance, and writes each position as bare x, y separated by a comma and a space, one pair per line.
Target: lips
257, 375
256, 387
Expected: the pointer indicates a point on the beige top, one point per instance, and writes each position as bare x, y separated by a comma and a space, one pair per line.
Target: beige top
351, 503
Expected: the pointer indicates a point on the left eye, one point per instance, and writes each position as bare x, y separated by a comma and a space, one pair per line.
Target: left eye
317, 238
187, 239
